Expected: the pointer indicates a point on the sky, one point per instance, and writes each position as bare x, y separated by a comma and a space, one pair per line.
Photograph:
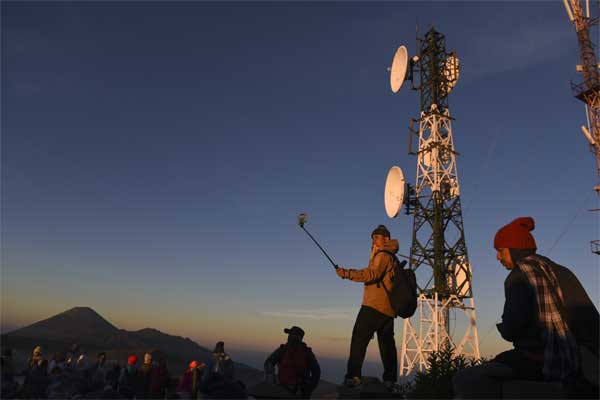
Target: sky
155, 157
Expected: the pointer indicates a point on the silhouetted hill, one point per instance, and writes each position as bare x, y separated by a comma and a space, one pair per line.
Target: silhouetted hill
176, 344
121, 339
84, 326
74, 325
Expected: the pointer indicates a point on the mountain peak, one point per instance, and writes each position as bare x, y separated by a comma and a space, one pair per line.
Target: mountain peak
81, 310
77, 325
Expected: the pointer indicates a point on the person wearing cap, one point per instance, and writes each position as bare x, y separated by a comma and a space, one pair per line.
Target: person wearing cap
298, 369
547, 315
376, 313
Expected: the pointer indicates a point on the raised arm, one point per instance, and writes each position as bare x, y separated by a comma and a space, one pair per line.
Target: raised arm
378, 266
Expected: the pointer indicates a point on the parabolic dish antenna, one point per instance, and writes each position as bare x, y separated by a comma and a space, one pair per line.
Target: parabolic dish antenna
395, 188
398, 70
451, 71
427, 154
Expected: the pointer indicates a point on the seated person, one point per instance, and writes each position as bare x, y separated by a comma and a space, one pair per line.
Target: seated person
547, 315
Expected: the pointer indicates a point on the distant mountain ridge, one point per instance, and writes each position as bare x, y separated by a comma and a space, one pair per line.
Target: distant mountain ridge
87, 328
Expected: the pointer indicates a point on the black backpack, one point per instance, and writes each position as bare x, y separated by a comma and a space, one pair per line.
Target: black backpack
403, 294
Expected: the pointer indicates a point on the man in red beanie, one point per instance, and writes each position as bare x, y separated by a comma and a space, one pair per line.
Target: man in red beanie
547, 315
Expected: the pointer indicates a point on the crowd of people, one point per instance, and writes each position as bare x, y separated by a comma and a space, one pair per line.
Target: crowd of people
68, 375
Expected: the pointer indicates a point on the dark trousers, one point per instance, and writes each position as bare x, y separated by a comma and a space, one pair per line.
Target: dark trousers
367, 323
485, 381
526, 366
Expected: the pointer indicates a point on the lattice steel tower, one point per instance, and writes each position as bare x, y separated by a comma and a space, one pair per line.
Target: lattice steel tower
438, 253
588, 91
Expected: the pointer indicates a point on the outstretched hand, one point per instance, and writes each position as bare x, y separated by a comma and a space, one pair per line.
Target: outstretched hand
342, 273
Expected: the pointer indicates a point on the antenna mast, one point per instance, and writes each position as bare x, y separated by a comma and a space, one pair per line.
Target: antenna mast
438, 239
587, 91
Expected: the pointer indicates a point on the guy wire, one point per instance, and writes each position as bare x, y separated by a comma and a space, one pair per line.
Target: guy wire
487, 334
566, 228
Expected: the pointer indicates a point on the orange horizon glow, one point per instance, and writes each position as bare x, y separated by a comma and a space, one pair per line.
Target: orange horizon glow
257, 337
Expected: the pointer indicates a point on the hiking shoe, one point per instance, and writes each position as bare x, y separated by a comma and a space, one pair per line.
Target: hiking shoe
354, 382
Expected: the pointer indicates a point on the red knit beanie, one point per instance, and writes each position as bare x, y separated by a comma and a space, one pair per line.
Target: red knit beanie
516, 235
132, 360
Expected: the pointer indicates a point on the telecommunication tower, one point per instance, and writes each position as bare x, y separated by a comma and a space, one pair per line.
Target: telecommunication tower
438, 253
587, 91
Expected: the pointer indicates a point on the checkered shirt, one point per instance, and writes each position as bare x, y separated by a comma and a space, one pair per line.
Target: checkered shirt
560, 351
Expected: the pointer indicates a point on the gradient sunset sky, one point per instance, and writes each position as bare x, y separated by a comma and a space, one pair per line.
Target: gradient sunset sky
155, 157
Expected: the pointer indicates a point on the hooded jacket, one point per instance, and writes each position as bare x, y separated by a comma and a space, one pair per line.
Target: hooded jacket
374, 294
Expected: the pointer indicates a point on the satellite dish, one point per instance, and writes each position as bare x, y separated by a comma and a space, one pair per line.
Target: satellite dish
427, 158
451, 71
398, 70
395, 188
426, 154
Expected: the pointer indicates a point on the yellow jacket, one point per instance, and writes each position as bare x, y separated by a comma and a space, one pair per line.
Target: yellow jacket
375, 295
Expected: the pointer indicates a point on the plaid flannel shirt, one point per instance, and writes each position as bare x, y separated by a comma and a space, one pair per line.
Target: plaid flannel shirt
560, 351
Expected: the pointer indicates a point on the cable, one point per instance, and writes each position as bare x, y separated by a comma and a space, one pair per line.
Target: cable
483, 170
487, 334
566, 228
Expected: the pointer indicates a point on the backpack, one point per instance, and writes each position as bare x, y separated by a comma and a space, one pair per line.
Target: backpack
403, 294
293, 367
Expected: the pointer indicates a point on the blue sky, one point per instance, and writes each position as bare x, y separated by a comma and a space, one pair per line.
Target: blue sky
155, 156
